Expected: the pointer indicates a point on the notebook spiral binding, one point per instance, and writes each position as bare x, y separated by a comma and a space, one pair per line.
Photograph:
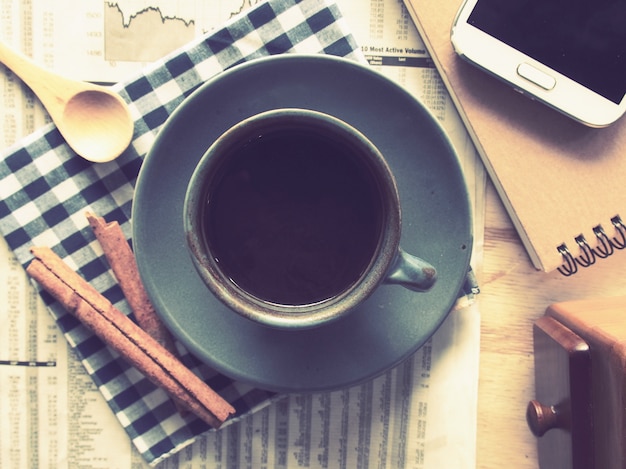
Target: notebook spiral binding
606, 246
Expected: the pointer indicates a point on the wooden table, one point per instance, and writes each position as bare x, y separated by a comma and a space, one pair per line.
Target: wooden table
513, 295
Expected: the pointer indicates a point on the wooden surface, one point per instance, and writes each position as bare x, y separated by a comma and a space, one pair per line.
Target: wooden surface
513, 295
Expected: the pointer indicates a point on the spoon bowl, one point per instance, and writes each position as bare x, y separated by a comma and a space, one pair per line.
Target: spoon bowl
99, 116
94, 120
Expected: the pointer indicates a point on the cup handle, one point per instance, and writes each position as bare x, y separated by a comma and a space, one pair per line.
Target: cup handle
411, 272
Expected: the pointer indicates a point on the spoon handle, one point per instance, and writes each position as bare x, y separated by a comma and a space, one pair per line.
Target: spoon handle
52, 89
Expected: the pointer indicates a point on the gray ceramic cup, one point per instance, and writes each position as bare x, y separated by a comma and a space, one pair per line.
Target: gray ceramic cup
292, 218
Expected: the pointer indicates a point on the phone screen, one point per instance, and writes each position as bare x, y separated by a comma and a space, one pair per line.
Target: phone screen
584, 40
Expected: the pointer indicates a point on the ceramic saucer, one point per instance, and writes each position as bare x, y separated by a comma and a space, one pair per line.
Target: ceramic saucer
394, 322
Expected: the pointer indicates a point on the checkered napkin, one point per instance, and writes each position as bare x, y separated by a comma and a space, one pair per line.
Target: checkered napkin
45, 190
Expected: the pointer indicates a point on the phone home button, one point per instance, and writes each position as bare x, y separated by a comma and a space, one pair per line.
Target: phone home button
536, 76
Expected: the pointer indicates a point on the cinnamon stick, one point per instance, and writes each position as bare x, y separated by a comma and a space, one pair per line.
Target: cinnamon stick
124, 266
117, 330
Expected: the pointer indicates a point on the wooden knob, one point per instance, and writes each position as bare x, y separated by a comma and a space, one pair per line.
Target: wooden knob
541, 418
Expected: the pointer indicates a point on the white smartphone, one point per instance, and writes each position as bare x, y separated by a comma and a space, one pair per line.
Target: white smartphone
568, 54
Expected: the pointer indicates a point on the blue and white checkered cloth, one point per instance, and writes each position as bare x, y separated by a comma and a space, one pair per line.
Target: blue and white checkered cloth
45, 190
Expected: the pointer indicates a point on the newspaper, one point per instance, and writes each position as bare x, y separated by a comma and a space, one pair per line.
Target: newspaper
421, 414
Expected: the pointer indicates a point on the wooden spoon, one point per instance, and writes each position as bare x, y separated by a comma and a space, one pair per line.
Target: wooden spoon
94, 120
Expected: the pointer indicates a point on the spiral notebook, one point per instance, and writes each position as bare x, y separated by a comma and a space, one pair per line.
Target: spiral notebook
561, 182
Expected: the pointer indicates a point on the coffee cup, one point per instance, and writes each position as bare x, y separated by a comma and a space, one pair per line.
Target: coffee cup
292, 219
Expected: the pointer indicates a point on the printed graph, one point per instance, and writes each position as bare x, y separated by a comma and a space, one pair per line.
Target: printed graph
145, 30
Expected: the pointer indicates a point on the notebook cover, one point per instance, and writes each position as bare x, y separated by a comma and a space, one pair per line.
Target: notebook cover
557, 178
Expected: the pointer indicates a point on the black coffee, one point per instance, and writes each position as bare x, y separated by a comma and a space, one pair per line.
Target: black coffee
293, 218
